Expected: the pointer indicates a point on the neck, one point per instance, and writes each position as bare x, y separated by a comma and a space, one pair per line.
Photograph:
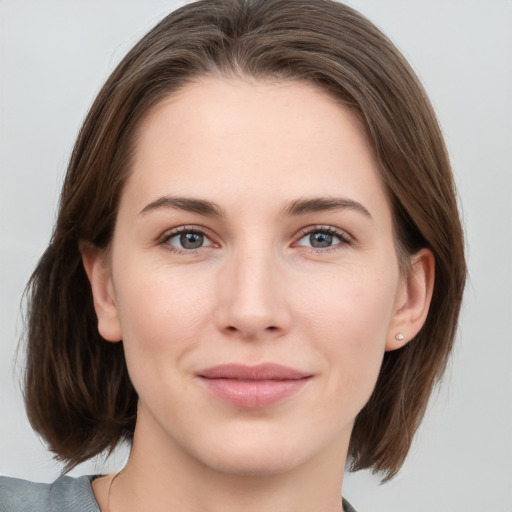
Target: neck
162, 479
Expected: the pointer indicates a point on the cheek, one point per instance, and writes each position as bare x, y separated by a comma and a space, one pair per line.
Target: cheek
161, 314
353, 304
348, 320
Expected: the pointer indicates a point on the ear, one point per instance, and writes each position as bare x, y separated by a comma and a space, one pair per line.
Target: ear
100, 277
413, 300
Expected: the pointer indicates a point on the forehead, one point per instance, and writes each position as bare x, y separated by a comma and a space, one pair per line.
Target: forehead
279, 139
260, 109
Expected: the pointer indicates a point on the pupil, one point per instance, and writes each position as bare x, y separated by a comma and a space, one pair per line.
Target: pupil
191, 240
320, 240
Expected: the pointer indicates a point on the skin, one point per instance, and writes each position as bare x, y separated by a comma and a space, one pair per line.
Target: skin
255, 291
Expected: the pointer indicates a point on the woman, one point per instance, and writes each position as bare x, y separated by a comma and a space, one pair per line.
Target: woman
256, 271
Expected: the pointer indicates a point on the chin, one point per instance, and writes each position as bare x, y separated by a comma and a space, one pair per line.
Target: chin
255, 462
253, 453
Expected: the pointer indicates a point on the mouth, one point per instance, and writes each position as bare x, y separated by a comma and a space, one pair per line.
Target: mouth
253, 387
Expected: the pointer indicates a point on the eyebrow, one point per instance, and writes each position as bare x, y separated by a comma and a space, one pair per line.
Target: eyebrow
322, 204
291, 209
188, 204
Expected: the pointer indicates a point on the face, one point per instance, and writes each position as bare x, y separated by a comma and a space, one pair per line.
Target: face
254, 231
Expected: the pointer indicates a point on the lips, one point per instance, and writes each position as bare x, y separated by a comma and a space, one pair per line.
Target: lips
253, 387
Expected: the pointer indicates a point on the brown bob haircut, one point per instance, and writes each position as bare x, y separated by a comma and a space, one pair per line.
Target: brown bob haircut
78, 392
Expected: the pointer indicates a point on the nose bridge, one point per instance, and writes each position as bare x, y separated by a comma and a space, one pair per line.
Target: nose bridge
252, 292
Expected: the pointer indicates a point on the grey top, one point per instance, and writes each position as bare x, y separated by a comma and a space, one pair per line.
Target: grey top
66, 494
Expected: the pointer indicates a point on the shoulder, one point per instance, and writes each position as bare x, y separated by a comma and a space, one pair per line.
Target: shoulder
66, 494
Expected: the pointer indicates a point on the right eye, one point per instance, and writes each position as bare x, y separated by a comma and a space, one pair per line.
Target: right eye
186, 240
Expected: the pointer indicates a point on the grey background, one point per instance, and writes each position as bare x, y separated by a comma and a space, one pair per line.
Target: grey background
54, 56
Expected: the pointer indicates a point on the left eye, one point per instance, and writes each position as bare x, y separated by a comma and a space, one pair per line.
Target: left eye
323, 238
188, 240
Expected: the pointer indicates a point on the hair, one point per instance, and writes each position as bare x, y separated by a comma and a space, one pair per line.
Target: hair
78, 393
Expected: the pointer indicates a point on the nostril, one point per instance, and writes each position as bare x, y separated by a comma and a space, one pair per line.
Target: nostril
232, 328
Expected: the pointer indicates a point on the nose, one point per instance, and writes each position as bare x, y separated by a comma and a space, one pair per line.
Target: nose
252, 296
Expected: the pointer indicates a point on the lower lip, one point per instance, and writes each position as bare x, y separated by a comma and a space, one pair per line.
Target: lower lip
254, 394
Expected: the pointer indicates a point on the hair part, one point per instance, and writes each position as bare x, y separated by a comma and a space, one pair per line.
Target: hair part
78, 393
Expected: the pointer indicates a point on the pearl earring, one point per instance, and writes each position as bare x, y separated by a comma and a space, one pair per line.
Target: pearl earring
399, 336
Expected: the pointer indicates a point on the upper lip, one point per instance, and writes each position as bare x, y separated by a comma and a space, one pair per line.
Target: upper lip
264, 371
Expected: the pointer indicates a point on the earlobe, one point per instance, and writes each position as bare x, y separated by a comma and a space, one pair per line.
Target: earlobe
413, 305
100, 279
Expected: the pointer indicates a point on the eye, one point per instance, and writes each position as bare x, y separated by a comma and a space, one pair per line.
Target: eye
186, 239
324, 237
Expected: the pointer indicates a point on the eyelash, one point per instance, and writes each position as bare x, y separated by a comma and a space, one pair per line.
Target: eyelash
181, 231
345, 238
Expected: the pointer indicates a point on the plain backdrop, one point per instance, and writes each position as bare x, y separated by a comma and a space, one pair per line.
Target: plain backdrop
54, 56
